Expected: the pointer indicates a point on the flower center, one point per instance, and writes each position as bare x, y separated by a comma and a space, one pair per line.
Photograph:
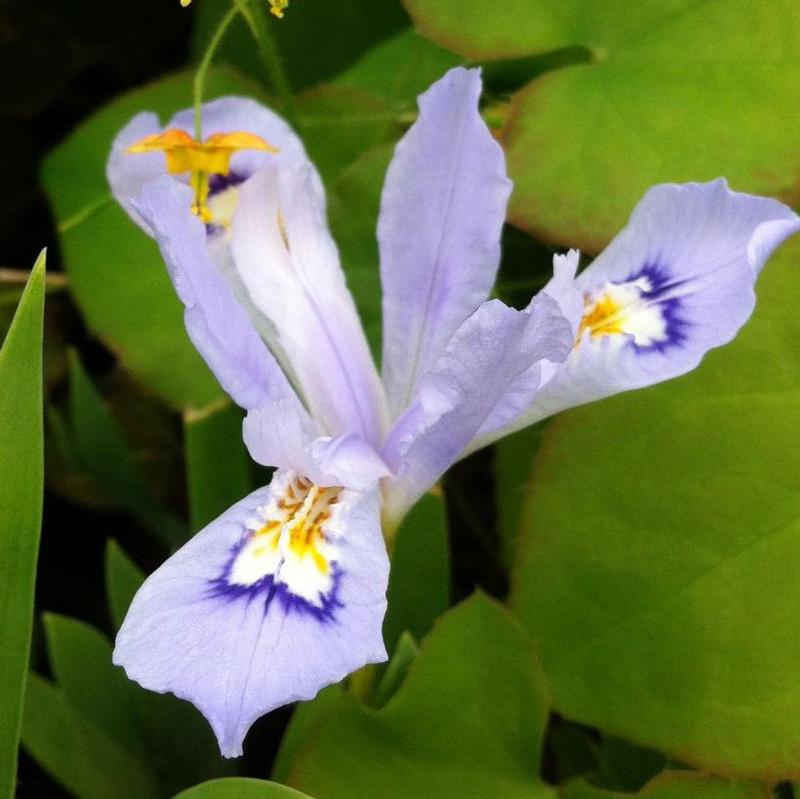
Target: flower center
637, 308
286, 549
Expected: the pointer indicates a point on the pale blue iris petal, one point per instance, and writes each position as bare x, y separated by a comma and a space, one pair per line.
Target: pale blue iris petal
694, 251
235, 651
289, 263
489, 372
218, 326
442, 211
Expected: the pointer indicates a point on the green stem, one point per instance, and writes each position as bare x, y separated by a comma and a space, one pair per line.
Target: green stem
205, 64
255, 16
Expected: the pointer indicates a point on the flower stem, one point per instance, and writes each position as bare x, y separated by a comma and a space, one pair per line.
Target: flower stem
205, 63
255, 16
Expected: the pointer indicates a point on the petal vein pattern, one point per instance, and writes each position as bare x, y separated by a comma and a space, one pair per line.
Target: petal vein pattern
489, 372
442, 211
282, 594
287, 259
676, 282
217, 324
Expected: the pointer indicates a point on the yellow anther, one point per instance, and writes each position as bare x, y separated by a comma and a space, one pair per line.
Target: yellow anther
277, 7
185, 3
200, 159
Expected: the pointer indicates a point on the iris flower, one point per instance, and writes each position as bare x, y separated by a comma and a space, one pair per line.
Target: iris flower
286, 591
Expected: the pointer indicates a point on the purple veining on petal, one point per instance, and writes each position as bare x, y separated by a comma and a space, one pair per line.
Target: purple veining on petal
662, 292
221, 587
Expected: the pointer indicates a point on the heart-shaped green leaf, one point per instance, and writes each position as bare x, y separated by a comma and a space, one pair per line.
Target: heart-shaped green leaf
674, 91
467, 722
661, 550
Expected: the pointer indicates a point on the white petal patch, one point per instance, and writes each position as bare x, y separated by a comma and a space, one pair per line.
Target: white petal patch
644, 309
290, 548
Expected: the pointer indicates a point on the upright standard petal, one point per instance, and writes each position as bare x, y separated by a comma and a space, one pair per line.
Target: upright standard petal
288, 262
676, 282
217, 325
489, 372
442, 212
281, 595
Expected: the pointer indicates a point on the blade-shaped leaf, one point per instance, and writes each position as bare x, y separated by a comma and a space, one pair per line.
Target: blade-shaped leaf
123, 579
217, 463
419, 581
75, 752
102, 450
21, 486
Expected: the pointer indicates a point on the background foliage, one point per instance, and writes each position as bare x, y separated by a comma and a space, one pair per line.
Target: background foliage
634, 631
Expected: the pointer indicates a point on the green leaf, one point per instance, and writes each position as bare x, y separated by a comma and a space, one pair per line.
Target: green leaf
316, 39
399, 69
513, 459
419, 580
306, 719
662, 547
99, 692
468, 721
404, 655
353, 204
338, 123
76, 753
21, 486
217, 463
674, 92
101, 449
116, 273
624, 766
240, 788
123, 579
675, 785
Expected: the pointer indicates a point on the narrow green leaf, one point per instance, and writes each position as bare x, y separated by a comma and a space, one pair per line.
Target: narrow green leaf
404, 654
123, 578
101, 449
468, 721
419, 581
98, 691
77, 754
217, 463
514, 457
21, 486
240, 788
